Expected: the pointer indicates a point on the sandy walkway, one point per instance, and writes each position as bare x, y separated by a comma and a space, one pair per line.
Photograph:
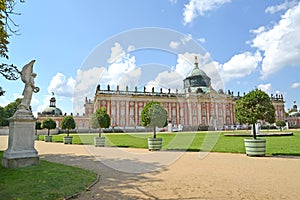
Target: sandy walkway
176, 175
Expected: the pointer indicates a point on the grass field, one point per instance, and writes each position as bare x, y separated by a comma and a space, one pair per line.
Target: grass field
204, 141
45, 181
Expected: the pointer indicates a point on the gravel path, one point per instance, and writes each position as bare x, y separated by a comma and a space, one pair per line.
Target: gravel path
177, 175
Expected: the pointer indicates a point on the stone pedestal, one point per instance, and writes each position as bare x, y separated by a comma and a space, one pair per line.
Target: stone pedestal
21, 151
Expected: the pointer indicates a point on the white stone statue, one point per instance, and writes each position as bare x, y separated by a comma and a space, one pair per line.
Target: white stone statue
27, 77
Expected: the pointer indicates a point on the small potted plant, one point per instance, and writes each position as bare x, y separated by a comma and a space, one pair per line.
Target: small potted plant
100, 119
49, 124
68, 123
254, 106
154, 115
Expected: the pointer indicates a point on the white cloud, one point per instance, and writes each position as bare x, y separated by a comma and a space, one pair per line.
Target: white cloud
281, 7
195, 8
117, 52
184, 40
86, 83
166, 80
61, 86
185, 64
295, 85
118, 69
266, 87
130, 79
202, 40
239, 66
280, 44
174, 45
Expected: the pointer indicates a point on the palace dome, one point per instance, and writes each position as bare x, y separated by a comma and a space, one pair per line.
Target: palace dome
197, 81
52, 109
294, 114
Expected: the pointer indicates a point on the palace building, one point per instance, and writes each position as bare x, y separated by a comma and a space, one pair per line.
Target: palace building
198, 105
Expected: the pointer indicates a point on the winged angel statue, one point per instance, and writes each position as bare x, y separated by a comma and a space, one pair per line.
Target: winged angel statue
27, 77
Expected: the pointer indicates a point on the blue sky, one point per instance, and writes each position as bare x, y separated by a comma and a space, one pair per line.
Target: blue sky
79, 44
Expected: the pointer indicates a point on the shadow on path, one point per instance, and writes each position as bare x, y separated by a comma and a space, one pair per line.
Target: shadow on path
113, 184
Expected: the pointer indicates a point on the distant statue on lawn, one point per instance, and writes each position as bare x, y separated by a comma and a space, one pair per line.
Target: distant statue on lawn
28, 77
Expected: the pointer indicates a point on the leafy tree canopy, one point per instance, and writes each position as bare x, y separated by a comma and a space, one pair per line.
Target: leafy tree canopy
49, 124
154, 115
8, 111
9, 72
38, 125
68, 123
254, 106
280, 123
100, 119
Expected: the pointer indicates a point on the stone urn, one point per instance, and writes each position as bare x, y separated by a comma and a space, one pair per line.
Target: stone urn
154, 144
255, 147
99, 141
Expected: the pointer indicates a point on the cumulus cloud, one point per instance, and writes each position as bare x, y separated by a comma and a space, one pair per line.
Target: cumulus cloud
86, 82
185, 63
184, 40
201, 40
61, 86
295, 85
118, 69
281, 7
166, 80
130, 79
195, 8
280, 44
239, 66
117, 52
174, 45
265, 87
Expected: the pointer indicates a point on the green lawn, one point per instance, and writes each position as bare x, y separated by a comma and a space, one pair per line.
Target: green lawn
45, 181
205, 141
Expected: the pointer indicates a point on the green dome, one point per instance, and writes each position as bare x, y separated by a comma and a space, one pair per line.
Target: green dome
196, 72
197, 81
52, 111
294, 114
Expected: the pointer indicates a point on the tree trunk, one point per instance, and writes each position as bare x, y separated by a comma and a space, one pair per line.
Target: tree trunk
154, 132
254, 131
48, 131
68, 133
99, 132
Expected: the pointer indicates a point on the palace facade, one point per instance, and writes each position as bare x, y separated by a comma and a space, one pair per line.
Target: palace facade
198, 104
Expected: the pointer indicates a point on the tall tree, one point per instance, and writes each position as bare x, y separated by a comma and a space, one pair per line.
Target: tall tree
254, 106
7, 25
100, 119
68, 123
154, 115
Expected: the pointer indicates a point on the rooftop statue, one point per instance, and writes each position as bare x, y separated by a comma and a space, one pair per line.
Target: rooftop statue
27, 77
